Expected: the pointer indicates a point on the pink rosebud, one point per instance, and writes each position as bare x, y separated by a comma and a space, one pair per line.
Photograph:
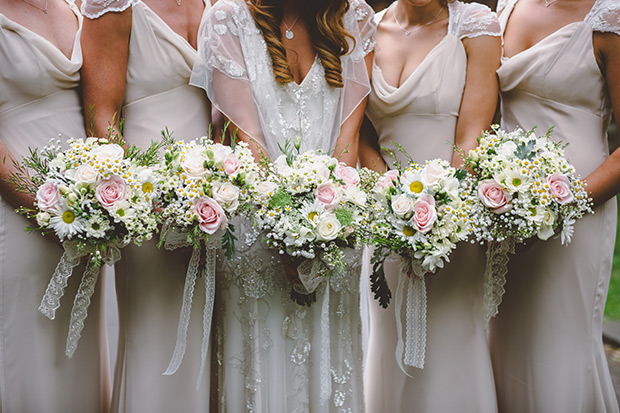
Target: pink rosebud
424, 214
347, 174
387, 179
211, 216
327, 194
231, 164
559, 187
494, 197
48, 197
110, 191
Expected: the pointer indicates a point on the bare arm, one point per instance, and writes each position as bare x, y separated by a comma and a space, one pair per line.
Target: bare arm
105, 45
370, 152
7, 191
348, 140
604, 182
480, 96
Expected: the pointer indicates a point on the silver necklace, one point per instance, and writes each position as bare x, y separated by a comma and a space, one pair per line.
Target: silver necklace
549, 3
178, 3
408, 32
288, 33
44, 10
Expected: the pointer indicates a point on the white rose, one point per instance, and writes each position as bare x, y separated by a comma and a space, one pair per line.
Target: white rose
58, 164
109, 151
508, 149
194, 163
220, 152
321, 171
265, 189
403, 205
86, 174
43, 218
227, 195
328, 228
432, 173
546, 228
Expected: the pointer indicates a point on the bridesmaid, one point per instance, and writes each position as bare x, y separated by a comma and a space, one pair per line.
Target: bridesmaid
433, 83
561, 67
138, 57
39, 99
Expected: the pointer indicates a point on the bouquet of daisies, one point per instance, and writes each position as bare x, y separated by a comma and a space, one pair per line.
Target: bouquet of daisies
96, 198
203, 185
311, 208
420, 213
523, 187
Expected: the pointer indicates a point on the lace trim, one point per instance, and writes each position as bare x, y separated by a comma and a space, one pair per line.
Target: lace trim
605, 16
93, 9
472, 20
495, 277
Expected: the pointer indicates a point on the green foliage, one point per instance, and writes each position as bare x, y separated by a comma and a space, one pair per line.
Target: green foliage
526, 150
378, 283
344, 216
228, 242
280, 199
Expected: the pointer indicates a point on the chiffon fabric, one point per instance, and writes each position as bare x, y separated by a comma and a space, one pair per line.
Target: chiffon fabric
150, 281
40, 100
421, 116
546, 342
274, 355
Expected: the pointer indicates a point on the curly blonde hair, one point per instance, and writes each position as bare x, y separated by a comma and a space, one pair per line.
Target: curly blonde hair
324, 20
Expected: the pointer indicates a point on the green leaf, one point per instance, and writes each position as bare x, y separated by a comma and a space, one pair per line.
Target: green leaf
378, 283
525, 150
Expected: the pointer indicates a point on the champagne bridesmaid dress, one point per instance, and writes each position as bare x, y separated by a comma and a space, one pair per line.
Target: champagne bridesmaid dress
546, 342
421, 115
40, 99
150, 281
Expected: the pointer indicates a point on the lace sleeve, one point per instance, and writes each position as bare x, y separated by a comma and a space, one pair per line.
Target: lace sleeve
220, 67
93, 9
605, 16
473, 20
367, 28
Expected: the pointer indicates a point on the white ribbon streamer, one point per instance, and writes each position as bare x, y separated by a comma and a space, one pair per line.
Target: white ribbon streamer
56, 287
209, 277
325, 360
495, 277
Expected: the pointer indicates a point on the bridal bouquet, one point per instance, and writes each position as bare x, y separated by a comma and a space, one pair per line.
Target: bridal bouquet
524, 187
203, 185
96, 198
311, 208
420, 213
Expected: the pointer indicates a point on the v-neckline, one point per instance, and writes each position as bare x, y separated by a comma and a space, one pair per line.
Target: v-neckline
544, 39
422, 63
307, 75
46, 40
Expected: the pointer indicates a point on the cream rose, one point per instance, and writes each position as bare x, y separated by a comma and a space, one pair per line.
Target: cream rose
403, 205
265, 189
559, 187
424, 214
211, 216
494, 197
43, 218
194, 162
48, 197
110, 151
86, 174
227, 195
109, 191
328, 228
433, 173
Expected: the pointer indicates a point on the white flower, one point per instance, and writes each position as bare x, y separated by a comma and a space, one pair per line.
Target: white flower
109, 152
300, 237
227, 195
328, 228
43, 218
356, 195
86, 174
403, 205
66, 223
433, 173
122, 211
219, 153
412, 182
265, 190
193, 162
508, 149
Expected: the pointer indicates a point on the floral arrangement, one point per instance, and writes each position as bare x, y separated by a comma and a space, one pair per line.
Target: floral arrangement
524, 187
420, 213
311, 207
96, 198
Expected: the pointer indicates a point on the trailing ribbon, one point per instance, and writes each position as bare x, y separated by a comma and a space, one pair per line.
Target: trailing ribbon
56, 288
495, 277
325, 361
188, 296
411, 351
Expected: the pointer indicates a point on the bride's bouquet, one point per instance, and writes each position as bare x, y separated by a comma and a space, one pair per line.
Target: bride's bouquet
311, 208
203, 185
96, 198
524, 187
420, 213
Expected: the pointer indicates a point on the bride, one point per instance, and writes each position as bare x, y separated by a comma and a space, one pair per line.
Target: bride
280, 70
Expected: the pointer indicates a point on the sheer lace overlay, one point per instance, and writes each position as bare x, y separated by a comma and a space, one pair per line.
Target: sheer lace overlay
605, 16
472, 20
93, 9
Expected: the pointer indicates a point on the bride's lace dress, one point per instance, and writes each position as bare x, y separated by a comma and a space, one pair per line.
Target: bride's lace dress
272, 354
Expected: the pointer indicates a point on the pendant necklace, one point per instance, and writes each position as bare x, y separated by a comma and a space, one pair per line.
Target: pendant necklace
178, 3
408, 32
44, 10
549, 3
288, 33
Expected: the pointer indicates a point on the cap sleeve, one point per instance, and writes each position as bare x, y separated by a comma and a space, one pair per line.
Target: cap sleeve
605, 16
473, 20
94, 9
220, 67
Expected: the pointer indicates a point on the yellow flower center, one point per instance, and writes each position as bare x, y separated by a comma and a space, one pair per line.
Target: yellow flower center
516, 181
312, 215
408, 231
416, 187
68, 217
147, 187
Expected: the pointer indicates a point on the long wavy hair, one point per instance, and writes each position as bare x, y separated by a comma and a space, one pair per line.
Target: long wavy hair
324, 21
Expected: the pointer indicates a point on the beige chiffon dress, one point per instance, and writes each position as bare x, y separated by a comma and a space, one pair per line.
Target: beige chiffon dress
546, 343
40, 100
421, 115
150, 281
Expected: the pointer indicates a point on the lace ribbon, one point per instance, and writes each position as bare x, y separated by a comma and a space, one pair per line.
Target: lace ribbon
411, 351
495, 277
56, 288
325, 362
176, 241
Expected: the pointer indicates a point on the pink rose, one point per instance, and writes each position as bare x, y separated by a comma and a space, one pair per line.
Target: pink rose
48, 197
559, 187
424, 214
231, 164
110, 191
211, 216
494, 197
328, 196
387, 179
347, 174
